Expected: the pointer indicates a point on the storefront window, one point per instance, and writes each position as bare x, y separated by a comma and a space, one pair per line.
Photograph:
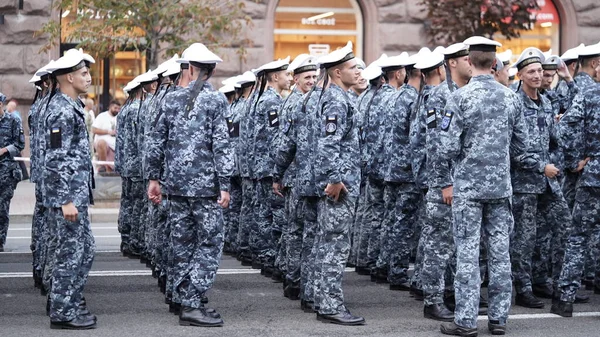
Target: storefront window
109, 75
316, 27
544, 34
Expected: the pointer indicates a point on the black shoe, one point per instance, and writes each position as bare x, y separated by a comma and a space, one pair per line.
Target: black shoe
581, 299
341, 318
542, 290
256, 265
495, 328
596, 290
588, 282
562, 308
1, 248
175, 308
307, 306
416, 293
198, 317
79, 323
455, 330
405, 286
528, 300
350, 265
362, 270
438, 312
246, 261
204, 299
266, 271
381, 276
277, 276
133, 255
143, 260
450, 300
293, 293
48, 306
43, 291
482, 311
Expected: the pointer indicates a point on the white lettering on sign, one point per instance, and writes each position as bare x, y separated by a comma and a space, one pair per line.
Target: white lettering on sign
319, 22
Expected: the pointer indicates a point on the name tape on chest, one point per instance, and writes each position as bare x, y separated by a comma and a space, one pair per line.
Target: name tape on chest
273, 118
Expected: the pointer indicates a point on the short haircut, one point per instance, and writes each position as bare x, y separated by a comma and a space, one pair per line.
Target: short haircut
587, 62
482, 60
114, 102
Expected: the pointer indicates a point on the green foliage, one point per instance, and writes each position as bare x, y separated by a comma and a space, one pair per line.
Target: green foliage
451, 21
157, 27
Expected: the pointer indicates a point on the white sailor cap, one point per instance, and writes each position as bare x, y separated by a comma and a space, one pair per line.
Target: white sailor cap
337, 57
551, 63
44, 70
439, 49
505, 57
198, 53
396, 62
35, 79
131, 85
371, 72
572, 54
529, 56
246, 78
360, 64
73, 60
303, 63
227, 88
430, 61
147, 77
413, 59
480, 43
499, 64
589, 51
173, 67
512, 72
273, 66
230, 80
165, 65
547, 54
86, 57
456, 50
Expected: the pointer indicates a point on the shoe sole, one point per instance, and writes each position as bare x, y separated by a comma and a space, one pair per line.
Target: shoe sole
568, 314
451, 333
439, 319
541, 306
61, 327
497, 332
187, 323
324, 320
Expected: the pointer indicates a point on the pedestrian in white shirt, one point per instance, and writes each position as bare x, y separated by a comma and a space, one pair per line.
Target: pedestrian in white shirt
105, 131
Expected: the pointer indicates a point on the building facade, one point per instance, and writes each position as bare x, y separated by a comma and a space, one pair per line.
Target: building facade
281, 28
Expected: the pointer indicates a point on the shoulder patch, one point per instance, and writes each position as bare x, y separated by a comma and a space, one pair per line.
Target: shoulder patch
55, 138
273, 118
431, 121
446, 120
287, 126
330, 125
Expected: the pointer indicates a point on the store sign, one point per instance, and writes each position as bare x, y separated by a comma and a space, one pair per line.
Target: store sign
319, 22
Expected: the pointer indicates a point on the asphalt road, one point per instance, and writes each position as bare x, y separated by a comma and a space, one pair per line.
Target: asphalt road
124, 296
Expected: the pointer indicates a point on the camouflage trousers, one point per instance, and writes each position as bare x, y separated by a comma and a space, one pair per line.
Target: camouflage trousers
73, 259
523, 239
246, 217
495, 218
360, 229
375, 213
278, 227
125, 211
417, 242
261, 238
309, 268
139, 200
402, 203
292, 239
161, 237
197, 243
333, 247
551, 238
586, 227
38, 233
9, 183
569, 190
291, 209
231, 215
438, 248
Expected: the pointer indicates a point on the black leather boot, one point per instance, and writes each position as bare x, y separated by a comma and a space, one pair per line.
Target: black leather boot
438, 312
528, 300
198, 317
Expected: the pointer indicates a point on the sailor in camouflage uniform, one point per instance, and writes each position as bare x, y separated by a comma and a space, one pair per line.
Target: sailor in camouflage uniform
481, 189
304, 70
191, 137
12, 142
67, 190
264, 111
338, 184
535, 190
580, 128
436, 236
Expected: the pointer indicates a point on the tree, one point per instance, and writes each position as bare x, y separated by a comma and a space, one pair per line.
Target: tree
157, 27
451, 21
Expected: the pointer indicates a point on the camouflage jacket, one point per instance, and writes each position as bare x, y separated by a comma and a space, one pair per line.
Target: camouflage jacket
198, 158
13, 139
373, 132
397, 136
32, 120
418, 138
482, 130
285, 123
236, 111
266, 127
564, 92
119, 141
246, 141
67, 173
360, 118
582, 125
338, 157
